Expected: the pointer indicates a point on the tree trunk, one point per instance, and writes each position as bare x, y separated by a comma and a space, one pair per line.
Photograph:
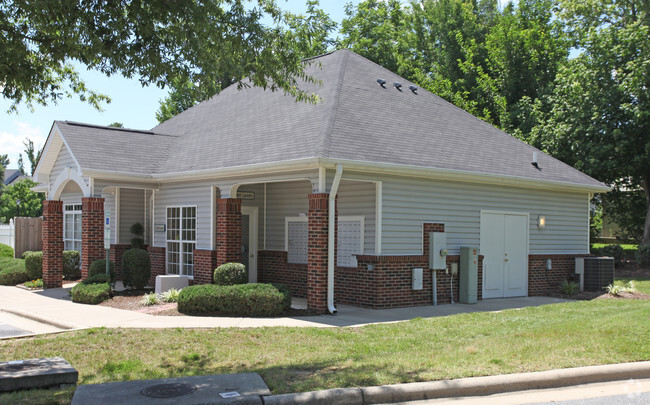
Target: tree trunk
645, 240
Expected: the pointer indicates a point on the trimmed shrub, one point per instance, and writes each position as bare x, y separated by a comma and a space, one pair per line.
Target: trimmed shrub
13, 276
230, 274
34, 264
71, 269
286, 292
90, 293
615, 251
642, 255
136, 268
232, 300
6, 250
138, 241
97, 279
99, 267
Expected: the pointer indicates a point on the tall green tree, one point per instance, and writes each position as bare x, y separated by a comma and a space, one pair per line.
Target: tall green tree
32, 155
598, 117
31, 203
154, 41
306, 34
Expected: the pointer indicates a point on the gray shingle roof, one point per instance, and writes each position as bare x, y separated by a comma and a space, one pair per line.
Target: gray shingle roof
356, 119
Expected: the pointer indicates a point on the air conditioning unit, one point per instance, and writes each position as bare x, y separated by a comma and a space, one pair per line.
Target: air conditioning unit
595, 273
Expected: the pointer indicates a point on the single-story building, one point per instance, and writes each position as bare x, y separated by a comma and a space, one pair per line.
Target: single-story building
336, 199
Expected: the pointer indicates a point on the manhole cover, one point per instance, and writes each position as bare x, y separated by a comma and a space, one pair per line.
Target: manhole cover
169, 390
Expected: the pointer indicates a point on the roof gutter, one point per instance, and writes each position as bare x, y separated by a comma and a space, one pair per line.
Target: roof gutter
330, 238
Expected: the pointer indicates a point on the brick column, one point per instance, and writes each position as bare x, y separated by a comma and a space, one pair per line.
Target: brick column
52, 243
205, 261
92, 232
317, 251
228, 230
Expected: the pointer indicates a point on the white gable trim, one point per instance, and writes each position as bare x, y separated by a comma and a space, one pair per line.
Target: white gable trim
56, 188
55, 141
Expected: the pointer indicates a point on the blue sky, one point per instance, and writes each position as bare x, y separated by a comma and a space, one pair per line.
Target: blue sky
132, 104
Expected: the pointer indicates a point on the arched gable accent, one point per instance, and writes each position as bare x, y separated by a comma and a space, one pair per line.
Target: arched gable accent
68, 175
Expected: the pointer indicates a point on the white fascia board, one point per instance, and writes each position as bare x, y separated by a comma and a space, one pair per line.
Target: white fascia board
460, 175
55, 132
350, 165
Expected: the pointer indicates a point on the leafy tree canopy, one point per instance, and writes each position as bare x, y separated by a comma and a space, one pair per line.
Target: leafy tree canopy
156, 41
31, 203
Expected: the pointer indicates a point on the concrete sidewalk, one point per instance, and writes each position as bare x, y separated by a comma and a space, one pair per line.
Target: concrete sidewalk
54, 307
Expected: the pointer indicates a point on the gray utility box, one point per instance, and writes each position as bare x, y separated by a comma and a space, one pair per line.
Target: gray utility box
468, 277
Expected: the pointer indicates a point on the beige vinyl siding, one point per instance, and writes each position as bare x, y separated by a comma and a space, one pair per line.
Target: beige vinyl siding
131, 211
285, 199
71, 193
358, 198
408, 202
63, 160
174, 195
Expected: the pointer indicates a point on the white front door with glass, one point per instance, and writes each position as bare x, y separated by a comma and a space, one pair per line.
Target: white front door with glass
181, 240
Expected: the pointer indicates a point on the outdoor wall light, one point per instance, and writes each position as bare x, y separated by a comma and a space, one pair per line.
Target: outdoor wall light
541, 222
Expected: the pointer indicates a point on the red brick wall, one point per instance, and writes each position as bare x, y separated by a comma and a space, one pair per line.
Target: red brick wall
92, 232
541, 281
317, 252
205, 261
228, 230
116, 253
273, 268
52, 243
158, 262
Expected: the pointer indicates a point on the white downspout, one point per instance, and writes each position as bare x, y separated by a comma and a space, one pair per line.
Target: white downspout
330, 239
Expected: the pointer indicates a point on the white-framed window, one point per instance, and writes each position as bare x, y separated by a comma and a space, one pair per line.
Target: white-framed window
72, 227
350, 239
295, 239
181, 240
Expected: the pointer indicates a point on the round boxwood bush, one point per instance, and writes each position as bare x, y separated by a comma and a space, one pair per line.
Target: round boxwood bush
99, 267
136, 268
233, 300
34, 264
6, 250
71, 269
642, 255
230, 274
14, 276
97, 279
90, 293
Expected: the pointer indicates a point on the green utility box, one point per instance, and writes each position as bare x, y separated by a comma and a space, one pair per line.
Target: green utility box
468, 276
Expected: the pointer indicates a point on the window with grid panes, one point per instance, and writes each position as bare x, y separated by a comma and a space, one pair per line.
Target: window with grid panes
181, 240
72, 227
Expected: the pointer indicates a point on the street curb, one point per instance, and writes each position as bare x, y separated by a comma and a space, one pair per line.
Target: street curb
473, 386
35, 318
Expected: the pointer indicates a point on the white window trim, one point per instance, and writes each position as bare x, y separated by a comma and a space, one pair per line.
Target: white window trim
181, 241
72, 212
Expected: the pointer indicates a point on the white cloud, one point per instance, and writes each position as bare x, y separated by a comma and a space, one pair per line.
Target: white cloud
12, 142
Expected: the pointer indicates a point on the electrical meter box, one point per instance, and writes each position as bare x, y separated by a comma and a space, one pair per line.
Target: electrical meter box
468, 277
437, 250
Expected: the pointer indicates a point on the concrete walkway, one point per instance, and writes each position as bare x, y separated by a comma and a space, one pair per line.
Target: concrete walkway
53, 307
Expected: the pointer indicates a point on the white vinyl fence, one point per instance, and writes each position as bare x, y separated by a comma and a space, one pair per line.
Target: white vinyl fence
8, 233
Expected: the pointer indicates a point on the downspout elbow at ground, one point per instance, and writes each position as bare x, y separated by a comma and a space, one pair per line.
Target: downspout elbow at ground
330, 239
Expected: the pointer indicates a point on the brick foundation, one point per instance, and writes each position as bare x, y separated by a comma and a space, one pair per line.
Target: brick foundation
541, 281
52, 243
205, 261
273, 268
92, 232
116, 253
158, 262
228, 230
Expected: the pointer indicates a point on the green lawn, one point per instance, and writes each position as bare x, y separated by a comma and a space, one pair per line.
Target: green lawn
304, 359
642, 284
625, 246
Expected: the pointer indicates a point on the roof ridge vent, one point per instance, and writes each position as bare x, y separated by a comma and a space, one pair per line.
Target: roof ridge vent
413, 89
398, 86
382, 82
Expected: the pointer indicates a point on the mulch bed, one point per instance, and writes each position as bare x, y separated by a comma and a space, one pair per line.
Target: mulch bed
130, 300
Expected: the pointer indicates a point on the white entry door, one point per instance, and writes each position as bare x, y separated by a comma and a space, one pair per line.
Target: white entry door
249, 241
504, 246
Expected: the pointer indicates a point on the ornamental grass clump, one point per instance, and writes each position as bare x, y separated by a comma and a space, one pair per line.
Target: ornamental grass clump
150, 299
170, 295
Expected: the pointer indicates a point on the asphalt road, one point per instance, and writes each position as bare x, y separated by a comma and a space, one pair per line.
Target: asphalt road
10, 331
